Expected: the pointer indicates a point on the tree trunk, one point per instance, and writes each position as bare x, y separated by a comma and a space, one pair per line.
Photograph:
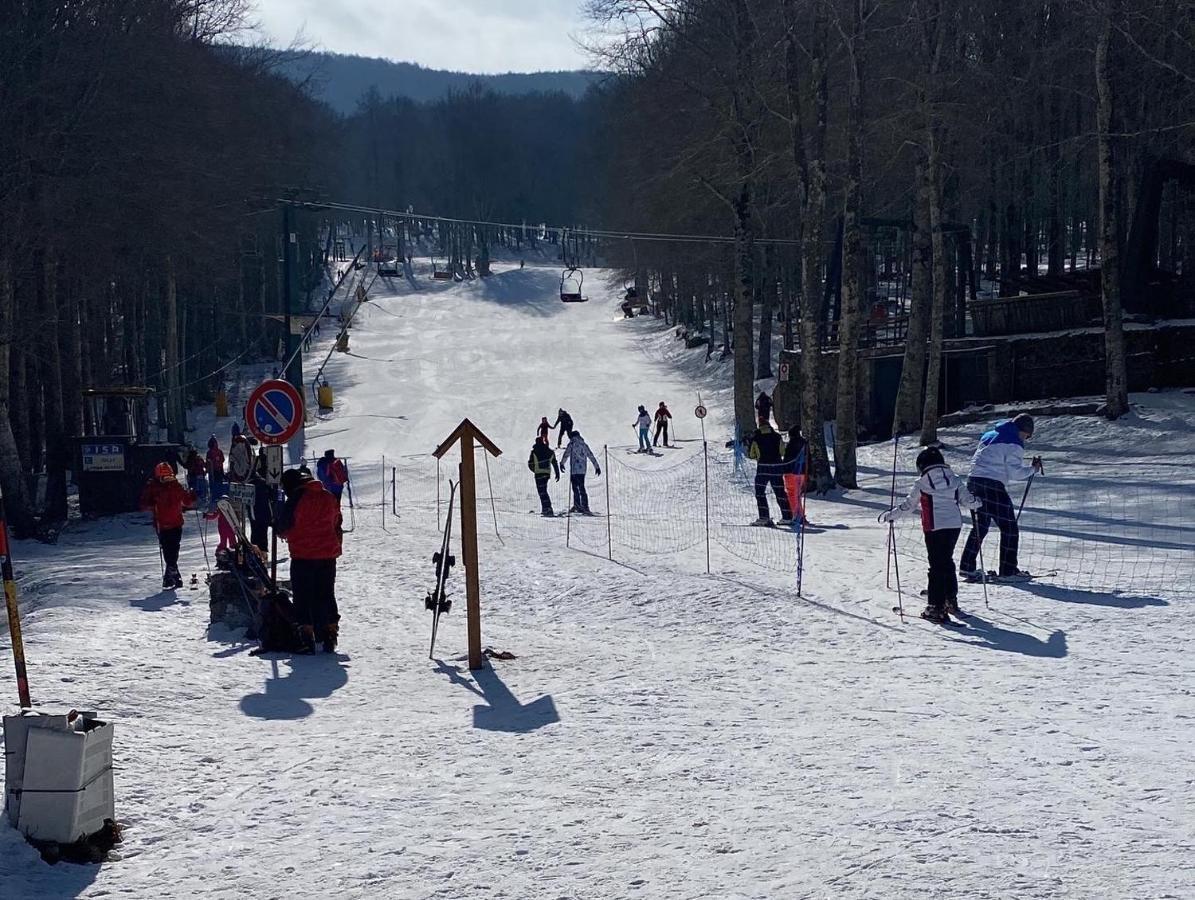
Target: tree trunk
1116, 371
12, 479
57, 453
744, 295
176, 421
767, 312
911, 393
846, 427
933, 400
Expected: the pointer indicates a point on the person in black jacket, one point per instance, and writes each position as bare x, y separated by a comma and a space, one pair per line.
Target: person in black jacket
767, 449
565, 421
264, 496
542, 463
763, 407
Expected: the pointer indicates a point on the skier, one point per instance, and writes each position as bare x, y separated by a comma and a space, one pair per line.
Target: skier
577, 454
763, 407
240, 457
166, 499
309, 521
767, 449
196, 473
662, 417
796, 467
565, 421
332, 473
215, 468
643, 424
542, 463
543, 430
937, 496
999, 461
264, 495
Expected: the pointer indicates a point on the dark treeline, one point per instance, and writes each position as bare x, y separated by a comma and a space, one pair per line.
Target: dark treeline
1017, 135
134, 158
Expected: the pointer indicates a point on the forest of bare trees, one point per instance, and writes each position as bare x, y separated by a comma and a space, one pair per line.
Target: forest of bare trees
143, 153
1053, 134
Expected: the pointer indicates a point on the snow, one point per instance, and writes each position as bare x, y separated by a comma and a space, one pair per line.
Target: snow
663, 732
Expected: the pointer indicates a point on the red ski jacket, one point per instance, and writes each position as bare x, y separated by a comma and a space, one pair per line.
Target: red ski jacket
315, 530
166, 500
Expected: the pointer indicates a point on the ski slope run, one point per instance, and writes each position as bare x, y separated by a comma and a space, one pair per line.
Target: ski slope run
663, 733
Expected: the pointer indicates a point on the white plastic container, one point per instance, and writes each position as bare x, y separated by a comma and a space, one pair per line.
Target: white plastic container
16, 730
66, 791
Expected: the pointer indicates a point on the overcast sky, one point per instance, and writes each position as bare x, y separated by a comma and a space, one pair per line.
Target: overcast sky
483, 36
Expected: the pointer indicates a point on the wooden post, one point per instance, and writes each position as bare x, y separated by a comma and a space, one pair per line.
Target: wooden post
466, 432
14, 614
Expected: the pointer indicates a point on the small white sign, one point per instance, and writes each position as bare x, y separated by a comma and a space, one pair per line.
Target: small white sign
274, 464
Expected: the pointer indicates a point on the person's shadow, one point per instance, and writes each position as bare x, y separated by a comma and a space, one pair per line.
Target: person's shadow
994, 637
1091, 598
160, 601
310, 678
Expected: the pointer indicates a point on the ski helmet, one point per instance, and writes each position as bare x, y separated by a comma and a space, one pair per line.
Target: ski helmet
1024, 423
930, 456
163, 470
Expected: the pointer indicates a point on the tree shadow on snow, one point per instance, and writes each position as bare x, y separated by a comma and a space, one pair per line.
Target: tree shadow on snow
1090, 598
535, 292
993, 637
310, 677
503, 711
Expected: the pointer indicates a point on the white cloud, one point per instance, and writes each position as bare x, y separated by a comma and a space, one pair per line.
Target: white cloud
482, 36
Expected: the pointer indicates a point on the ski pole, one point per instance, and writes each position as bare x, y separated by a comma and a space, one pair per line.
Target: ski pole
158, 535
900, 600
983, 569
203, 540
892, 503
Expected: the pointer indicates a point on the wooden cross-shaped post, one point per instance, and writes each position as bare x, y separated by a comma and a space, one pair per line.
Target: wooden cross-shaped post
465, 433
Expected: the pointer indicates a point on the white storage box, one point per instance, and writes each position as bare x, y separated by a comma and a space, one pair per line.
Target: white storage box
16, 730
65, 790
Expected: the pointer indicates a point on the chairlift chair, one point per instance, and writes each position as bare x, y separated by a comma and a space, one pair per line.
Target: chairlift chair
571, 280
439, 274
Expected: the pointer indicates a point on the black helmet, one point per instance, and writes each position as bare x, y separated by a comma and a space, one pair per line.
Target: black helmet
930, 456
294, 479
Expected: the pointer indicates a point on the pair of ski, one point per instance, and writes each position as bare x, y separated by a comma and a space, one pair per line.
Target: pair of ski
437, 601
257, 568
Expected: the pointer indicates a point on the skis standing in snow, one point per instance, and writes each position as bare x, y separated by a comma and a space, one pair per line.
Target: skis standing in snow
937, 496
662, 417
542, 463
310, 522
166, 499
643, 425
565, 421
767, 449
332, 473
998, 462
577, 454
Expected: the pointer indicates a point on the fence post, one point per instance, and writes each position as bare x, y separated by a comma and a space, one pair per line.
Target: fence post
383, 490
393, 493
609, 538
705, 454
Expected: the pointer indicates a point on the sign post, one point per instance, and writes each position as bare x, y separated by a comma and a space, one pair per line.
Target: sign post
466, 433
274, 415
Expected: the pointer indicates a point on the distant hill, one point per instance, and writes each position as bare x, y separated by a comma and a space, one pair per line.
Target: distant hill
340, 80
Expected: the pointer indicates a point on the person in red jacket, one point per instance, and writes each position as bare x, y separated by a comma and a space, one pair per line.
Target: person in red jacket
310, 522
166, 499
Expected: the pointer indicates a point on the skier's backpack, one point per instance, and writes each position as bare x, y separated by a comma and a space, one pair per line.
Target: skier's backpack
279, 629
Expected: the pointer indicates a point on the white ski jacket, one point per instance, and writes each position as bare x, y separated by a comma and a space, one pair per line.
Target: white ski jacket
576, 454
1001, 456
643, 422
936, 496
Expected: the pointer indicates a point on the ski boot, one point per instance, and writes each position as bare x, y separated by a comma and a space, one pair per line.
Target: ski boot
953, 610
1017, 576
307, 639
331, 633
762, 522
935, 615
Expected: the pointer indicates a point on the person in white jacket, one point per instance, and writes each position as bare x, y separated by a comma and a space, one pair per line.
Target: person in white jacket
937, 497
643, 423
578, 455
998, 462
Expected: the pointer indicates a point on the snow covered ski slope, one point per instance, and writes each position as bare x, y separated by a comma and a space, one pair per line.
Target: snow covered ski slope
663, 733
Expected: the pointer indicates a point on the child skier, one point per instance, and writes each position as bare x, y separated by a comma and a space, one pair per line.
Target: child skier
543, 429
937, 496
166, 499
643, 423
577, 454
662, 417
215, 468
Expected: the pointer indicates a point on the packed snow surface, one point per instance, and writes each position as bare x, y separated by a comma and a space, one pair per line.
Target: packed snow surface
663, 733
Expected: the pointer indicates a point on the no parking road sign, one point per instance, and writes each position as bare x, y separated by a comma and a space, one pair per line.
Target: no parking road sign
274, 413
